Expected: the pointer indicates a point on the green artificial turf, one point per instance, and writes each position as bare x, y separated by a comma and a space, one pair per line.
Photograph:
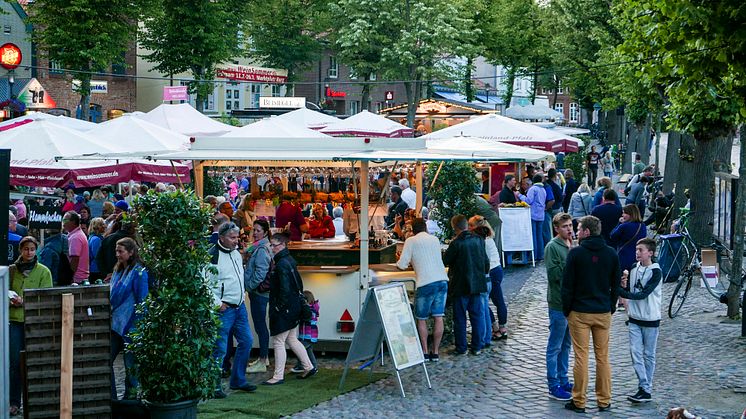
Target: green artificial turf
282, 400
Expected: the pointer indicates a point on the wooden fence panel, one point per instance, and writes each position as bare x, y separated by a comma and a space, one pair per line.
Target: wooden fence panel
91, 341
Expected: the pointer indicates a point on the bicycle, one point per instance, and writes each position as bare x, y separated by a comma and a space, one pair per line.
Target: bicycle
693, 258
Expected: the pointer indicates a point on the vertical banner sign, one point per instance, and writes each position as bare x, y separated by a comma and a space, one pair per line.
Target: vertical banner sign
4, 203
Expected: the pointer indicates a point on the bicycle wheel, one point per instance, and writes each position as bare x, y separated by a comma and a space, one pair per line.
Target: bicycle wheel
679, 294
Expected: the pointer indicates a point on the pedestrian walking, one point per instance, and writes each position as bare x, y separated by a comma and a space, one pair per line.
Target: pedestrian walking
536, 199
256, 282
590, 288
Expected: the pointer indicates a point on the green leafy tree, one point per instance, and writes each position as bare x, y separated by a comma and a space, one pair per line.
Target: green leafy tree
86, 36
193, 36
697, 50
287, 34
174, 340
453, 192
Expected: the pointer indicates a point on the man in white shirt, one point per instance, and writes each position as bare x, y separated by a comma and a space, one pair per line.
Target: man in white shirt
407, 194
422, 251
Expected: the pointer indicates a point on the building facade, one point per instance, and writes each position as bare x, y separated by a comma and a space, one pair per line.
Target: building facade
335, 87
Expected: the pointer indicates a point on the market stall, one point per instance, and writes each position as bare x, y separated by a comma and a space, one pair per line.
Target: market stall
368, 124
337, 272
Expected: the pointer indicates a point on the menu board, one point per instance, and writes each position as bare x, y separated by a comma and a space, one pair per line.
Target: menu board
399, 325
516, 229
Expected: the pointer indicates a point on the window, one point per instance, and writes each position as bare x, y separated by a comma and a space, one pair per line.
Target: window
55, 67
276, 88
120, 67
354, 107
7, 29
333, 71
559, 107
232, 96
560, 89
353, 74
208, 105
573, 112
373, 77
256, 92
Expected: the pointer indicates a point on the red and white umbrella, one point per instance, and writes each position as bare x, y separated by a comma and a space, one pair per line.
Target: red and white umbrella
494, 127
367, 124
35, 146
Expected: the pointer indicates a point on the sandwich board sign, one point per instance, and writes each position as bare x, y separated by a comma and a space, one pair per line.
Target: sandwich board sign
386, 315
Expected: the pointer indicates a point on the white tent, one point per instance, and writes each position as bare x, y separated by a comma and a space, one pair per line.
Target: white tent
186, 120
476, 147
274, 128
532, 112
561, 128
308, 118
367, 124
76, 124
36, 146
138, 134
507, 130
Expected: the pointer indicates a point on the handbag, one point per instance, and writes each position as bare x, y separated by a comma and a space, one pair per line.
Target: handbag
305, 310
632, 238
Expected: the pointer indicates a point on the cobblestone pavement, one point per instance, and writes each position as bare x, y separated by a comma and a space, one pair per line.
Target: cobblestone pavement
701, 365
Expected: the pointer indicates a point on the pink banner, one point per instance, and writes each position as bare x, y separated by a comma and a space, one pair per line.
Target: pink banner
175, 93
97, 176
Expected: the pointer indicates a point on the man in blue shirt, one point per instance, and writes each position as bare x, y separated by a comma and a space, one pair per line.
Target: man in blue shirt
548, 209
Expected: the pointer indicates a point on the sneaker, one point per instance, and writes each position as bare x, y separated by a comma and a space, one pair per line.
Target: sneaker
427, 357
456, 352
641, 396
604, 408
571, 406
219, 394
248, 387
475, 353
434, 358
567, 387
558, 393
297, 369
258, 366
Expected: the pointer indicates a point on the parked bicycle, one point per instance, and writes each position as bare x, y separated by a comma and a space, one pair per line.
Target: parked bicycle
691, 253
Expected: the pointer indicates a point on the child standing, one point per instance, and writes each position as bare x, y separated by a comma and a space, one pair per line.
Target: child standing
644, 311
309, 332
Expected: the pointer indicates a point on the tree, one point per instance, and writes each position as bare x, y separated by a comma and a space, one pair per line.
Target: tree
193, 36
85, 36
424, 34
453, 192
697, 49
287, 34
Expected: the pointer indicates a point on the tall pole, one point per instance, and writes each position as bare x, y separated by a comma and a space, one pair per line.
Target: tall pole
364, 239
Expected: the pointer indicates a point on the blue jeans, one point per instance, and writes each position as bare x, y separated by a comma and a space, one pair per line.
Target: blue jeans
17, 344
487, 332
130, 380
546, 228
473, 304
259, 318
538, 236
237, 321
642, 345
558, 349
496, 278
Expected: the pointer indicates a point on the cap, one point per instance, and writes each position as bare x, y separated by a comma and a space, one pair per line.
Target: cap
122, 205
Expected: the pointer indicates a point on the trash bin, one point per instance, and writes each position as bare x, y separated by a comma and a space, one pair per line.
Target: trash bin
671, 256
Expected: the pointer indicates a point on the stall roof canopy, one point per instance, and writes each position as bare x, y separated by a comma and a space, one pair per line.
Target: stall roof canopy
441, 108
367, 124
530, 112
274, 127
138, 134
308, 118
338, 149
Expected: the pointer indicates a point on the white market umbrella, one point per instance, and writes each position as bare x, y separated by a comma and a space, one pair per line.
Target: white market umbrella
36, 146
308, 118
367, 124
138, 134
480, 147
76, 124
184, 119
530, 112
499, 128
274, 128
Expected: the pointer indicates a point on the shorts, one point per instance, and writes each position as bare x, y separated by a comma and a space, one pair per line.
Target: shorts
430, 300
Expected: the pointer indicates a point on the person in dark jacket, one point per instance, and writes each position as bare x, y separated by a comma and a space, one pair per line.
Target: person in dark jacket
469, 266
590, 289
507, 194
107, 257
609, 213
398, 208
571, 186
284, 310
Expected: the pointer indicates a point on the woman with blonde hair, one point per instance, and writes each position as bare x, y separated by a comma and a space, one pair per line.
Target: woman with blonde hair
244, 217
603, 184
96, 203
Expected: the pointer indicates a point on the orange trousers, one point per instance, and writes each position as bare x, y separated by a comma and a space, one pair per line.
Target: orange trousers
582, 326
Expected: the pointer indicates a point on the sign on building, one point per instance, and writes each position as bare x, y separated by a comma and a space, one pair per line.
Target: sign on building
97, 86
42, 217
255, 74
282, 102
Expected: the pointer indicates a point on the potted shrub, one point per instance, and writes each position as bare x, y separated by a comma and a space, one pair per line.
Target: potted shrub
174, 338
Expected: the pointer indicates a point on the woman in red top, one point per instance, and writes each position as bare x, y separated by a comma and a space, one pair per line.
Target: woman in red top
321, 225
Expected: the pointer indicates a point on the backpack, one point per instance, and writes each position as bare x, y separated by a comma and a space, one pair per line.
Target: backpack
631, 182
